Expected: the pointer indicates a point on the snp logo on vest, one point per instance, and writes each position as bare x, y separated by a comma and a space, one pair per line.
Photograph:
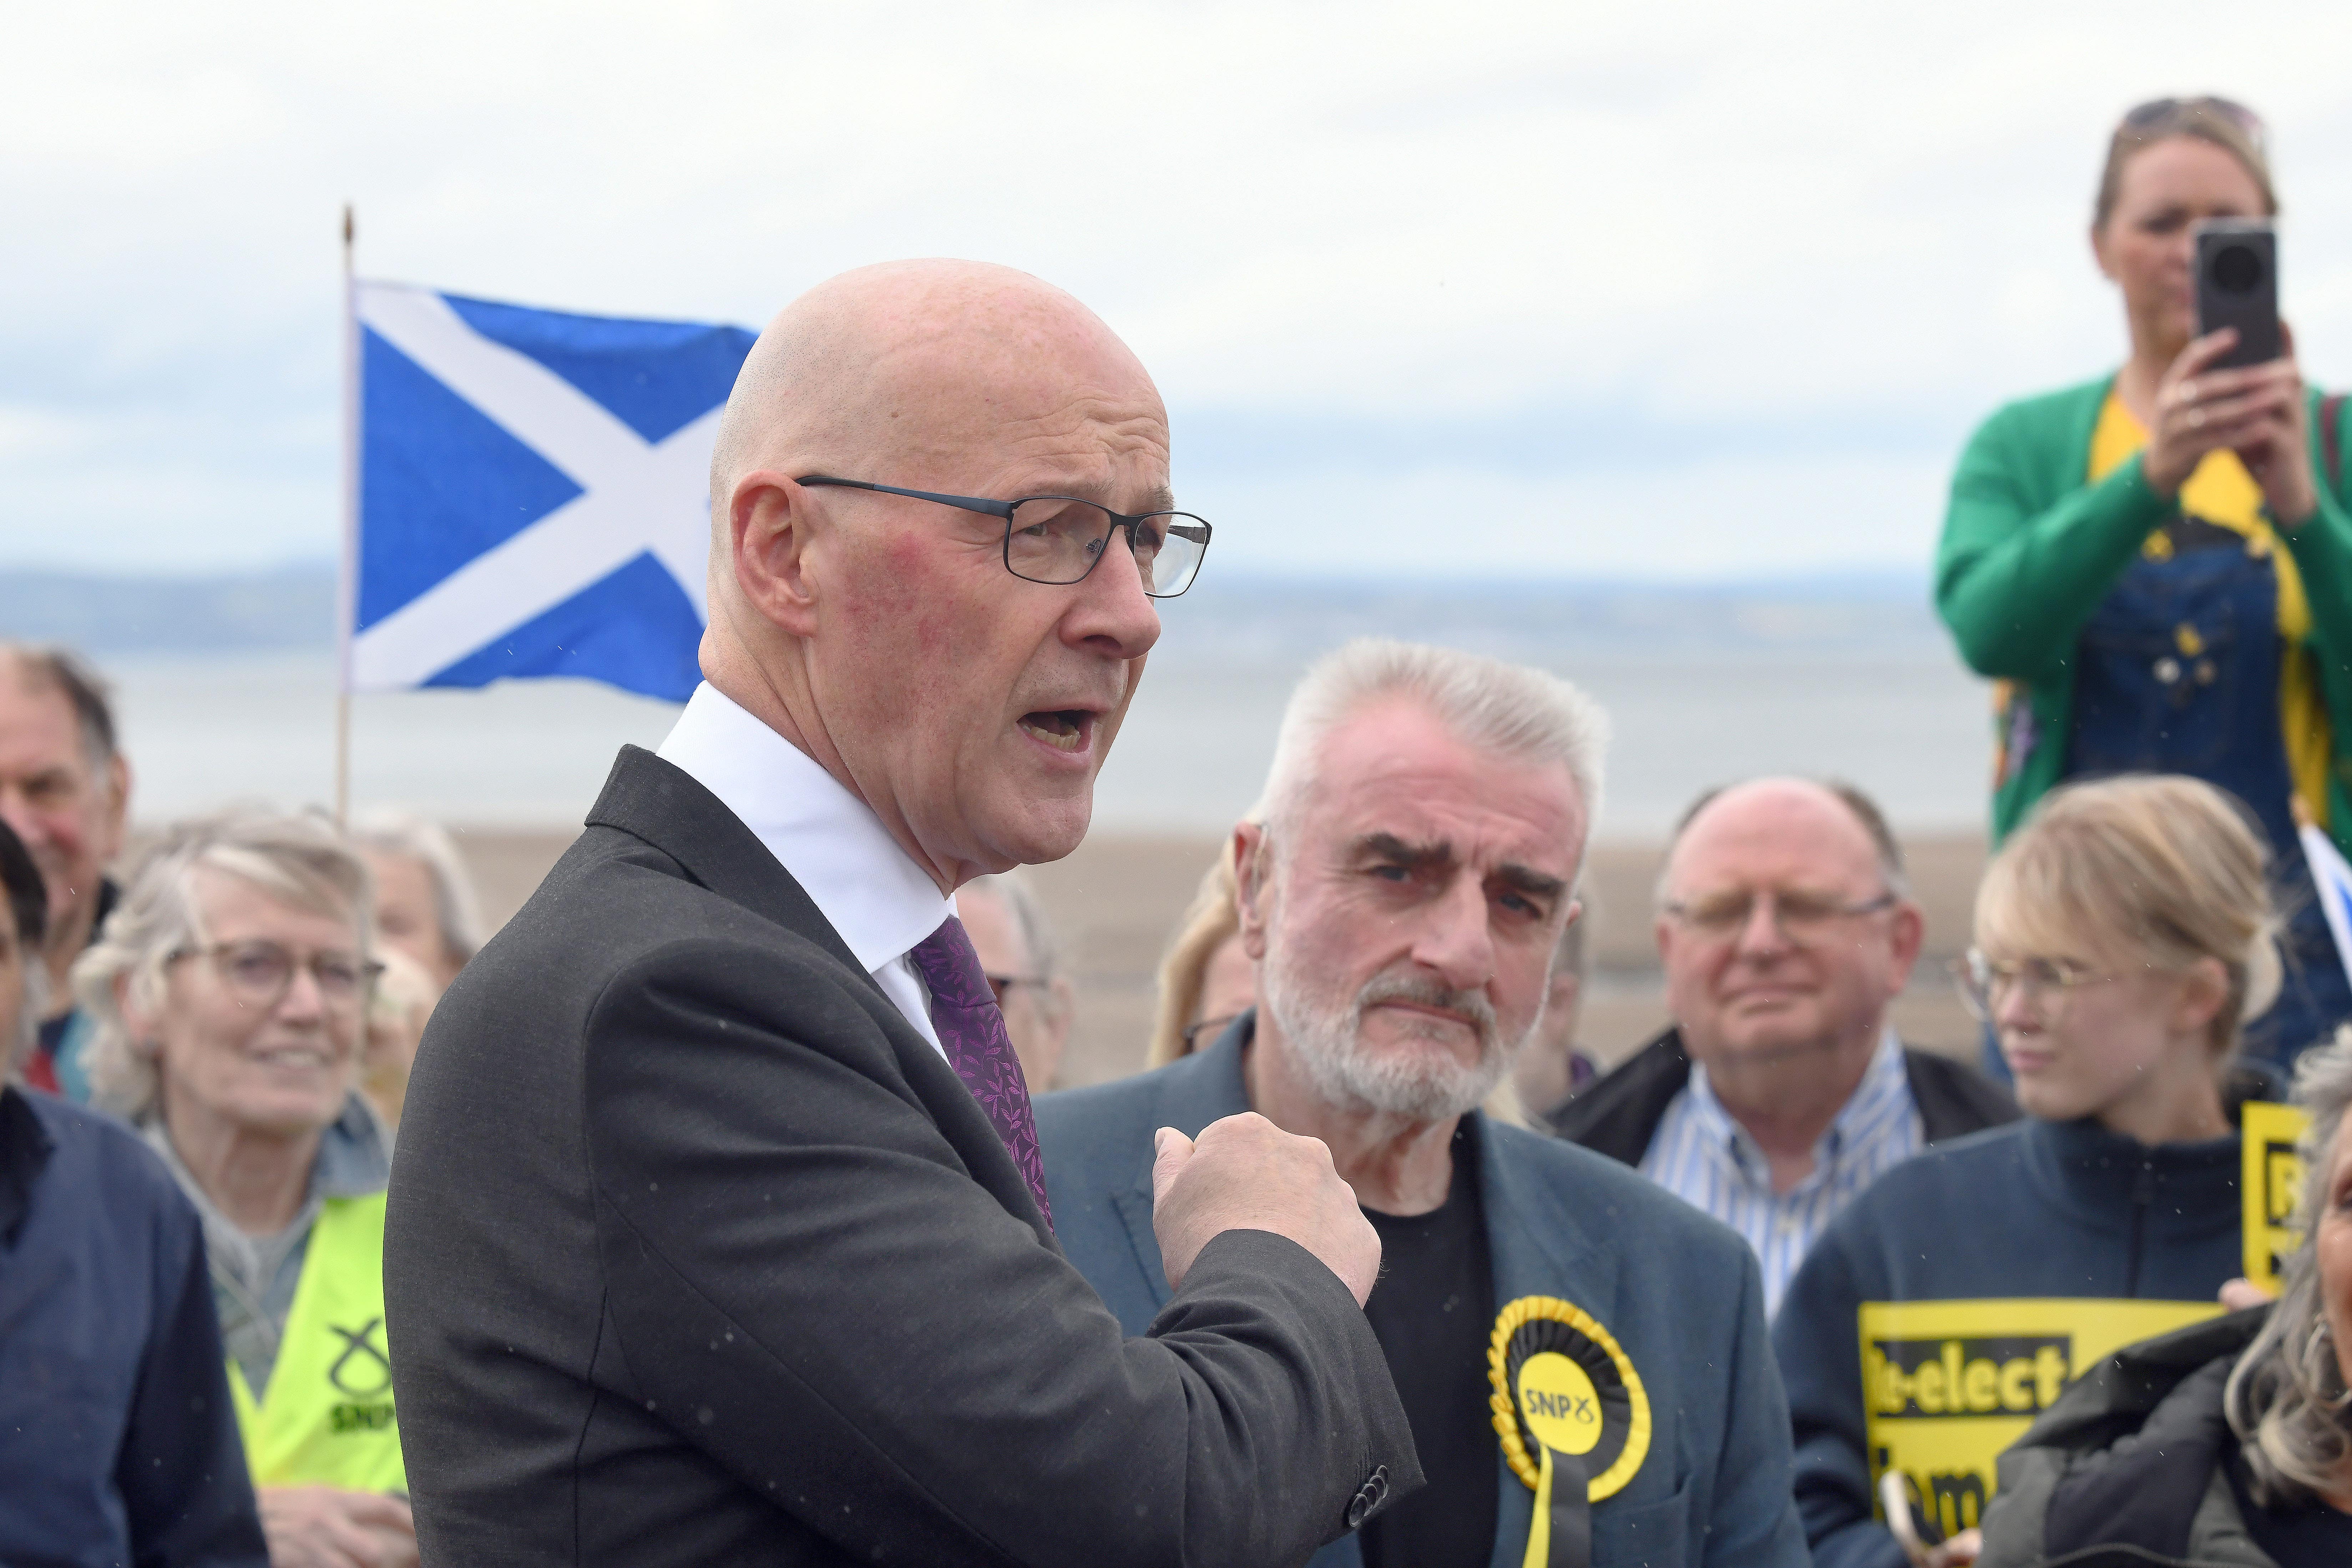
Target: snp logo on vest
2005, 1374
362, 1375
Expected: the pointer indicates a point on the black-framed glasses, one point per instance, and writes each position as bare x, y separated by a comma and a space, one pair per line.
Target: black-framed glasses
260, 972
1212, 1028
1058, 539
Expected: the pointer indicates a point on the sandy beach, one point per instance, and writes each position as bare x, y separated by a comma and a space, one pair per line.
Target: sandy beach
1116, 899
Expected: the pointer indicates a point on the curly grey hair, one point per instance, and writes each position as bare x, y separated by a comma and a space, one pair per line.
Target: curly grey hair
300, 859
2286, 1399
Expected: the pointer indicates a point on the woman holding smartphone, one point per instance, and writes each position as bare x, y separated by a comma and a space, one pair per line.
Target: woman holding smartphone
2156, 566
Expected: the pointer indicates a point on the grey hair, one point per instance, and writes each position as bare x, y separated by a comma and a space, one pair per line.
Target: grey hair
2286, 1400
69, 675
1507, 707
300, 859
456, 908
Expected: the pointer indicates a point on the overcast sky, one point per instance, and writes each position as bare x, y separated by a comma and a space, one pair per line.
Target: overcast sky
1662, 291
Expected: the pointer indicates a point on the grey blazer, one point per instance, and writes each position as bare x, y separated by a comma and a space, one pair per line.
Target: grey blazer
1679, 1292
698, 1252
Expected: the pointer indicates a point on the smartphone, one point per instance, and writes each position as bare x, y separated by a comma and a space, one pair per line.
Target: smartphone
1914, 1530
2237, 285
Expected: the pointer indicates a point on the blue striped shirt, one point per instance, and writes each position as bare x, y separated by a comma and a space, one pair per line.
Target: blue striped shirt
1705, 1158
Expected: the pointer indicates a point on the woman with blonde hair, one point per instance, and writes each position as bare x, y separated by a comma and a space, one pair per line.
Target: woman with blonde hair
1206, 981
2228, 1442
230, 991
2124, 936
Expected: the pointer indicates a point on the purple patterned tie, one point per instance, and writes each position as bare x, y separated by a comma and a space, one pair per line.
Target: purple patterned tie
971, 1027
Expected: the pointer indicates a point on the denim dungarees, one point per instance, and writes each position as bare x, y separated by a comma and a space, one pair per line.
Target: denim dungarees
2178, 671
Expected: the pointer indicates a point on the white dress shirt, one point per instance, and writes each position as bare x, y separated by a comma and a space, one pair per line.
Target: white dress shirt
1702, 1155
872, 892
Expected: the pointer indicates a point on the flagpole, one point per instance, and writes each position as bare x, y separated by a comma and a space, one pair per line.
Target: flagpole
347, 587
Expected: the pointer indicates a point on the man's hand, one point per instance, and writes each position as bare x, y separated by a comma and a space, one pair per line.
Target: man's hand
1247, 1173
322, 1527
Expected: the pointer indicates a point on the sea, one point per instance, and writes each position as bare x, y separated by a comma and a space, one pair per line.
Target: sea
1854, 680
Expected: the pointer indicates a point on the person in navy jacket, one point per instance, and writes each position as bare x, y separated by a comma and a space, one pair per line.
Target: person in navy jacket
1402, 888
118, 1443
2124, 936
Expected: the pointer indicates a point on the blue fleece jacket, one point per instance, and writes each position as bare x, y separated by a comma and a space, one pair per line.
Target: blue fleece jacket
2032, 1209
118, 1443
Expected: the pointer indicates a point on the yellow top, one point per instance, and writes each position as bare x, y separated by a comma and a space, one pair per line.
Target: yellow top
2223, 493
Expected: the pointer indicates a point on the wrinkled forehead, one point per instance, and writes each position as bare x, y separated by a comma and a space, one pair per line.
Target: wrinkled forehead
1400, 777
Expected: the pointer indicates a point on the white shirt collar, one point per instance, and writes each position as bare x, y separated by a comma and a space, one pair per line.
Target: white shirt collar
871, 890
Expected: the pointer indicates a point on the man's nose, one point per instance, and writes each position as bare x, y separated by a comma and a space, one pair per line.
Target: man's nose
1113, 613
1456, 939
1761, 934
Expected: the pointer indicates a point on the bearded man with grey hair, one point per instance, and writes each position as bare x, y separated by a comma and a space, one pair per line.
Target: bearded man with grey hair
1581, 1358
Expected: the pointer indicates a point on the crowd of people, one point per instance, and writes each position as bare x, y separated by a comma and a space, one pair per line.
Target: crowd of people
733, 1221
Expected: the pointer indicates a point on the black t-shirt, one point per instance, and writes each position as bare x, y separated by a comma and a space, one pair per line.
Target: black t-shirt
2311, 1536
1434, 1312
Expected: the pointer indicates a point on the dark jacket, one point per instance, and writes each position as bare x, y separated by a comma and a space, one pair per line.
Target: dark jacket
2128, 1470
1619, 1115
699, 1253
2036, 1209
118, 1443
1680, 1293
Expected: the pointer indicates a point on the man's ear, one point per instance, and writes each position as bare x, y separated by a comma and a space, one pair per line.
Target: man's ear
770, 524
1250, 880
1909, 934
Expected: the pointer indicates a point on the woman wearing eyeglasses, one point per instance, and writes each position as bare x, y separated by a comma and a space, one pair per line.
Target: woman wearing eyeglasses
229, 990
2156, 565
2123, 936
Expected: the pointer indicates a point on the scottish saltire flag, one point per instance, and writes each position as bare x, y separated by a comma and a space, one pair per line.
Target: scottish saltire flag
2331, 880
532, 493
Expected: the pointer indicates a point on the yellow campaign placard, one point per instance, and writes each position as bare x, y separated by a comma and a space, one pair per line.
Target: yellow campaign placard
1947, 1385
2272, 1182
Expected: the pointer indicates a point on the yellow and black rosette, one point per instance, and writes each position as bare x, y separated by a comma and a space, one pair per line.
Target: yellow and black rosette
1574, 1421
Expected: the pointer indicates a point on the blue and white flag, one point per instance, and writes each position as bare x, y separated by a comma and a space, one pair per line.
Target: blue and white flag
2331, 880
532, 493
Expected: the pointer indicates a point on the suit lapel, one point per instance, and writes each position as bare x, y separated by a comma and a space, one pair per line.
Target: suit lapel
1204, 1087
661, 802
662, 805
1538, 1240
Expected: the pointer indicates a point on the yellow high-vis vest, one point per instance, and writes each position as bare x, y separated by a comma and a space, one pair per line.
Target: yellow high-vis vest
326, 1418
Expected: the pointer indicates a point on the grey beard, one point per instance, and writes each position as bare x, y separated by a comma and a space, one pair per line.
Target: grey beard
1328, 1044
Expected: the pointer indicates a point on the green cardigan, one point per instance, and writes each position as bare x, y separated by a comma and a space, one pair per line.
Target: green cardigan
2030, 550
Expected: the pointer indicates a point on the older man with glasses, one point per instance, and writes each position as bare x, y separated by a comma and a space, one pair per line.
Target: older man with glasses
720, 1232
1786, 931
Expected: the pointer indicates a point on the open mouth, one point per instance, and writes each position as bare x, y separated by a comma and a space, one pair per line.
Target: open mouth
1064, 729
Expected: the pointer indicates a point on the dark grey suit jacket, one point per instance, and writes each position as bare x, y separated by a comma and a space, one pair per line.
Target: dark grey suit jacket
699, 1253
